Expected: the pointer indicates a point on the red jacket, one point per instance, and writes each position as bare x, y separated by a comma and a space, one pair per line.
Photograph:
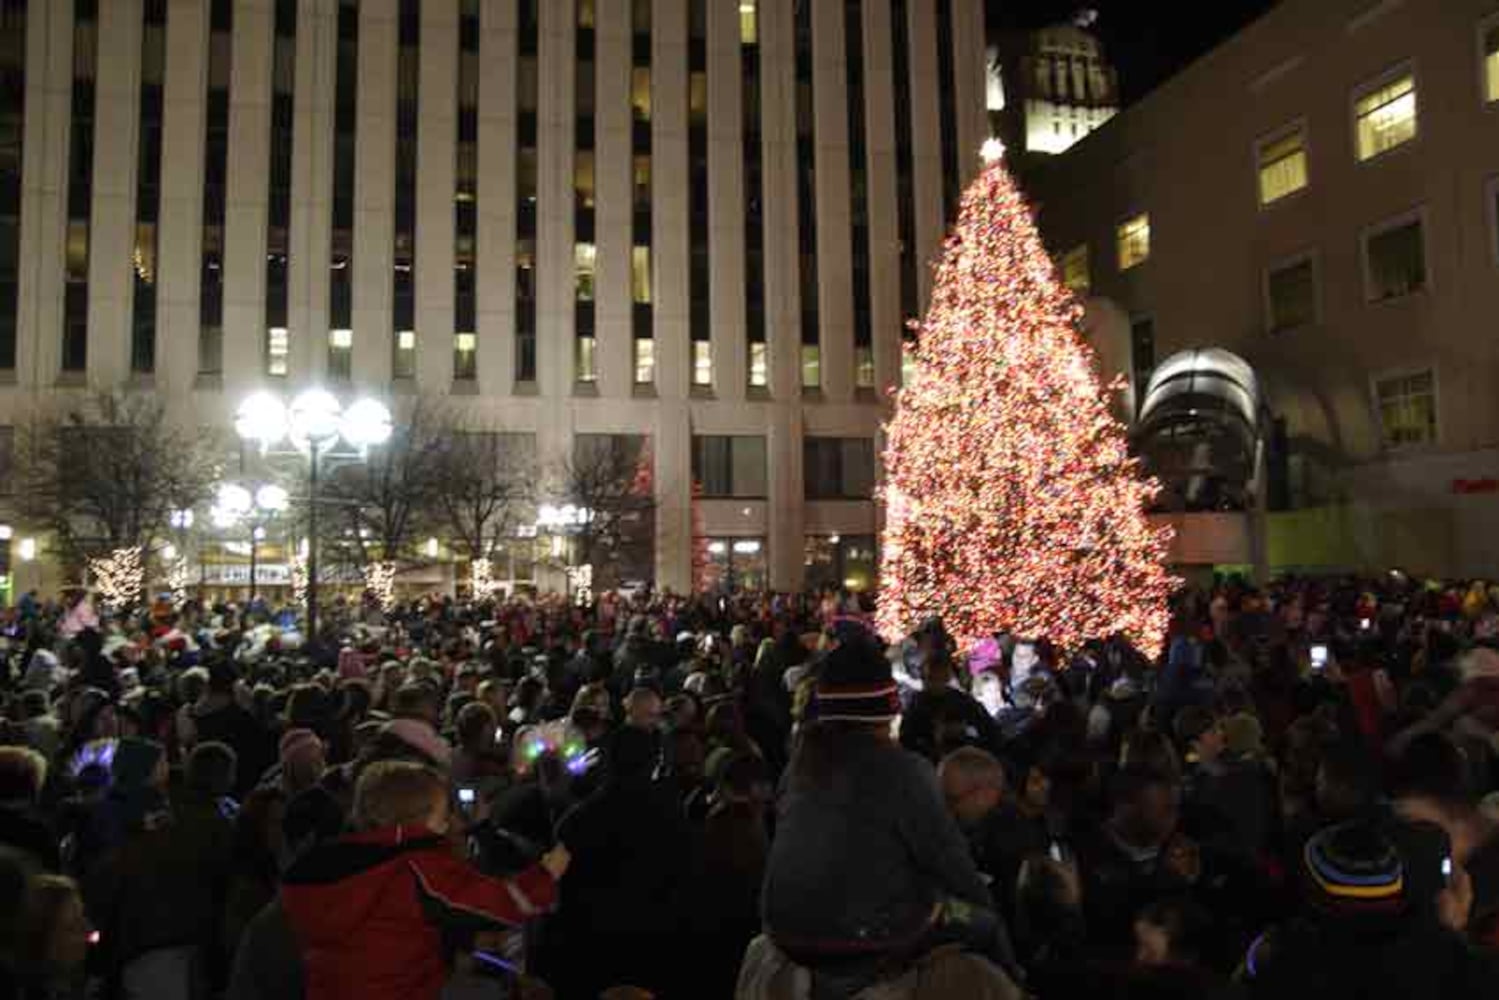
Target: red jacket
368, 909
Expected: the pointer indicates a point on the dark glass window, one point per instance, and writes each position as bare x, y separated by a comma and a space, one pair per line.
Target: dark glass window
905, 171
947, 109
758, 367
465, 195
838, 468
525, 193
403, 279
730, 465
345, 120
12, 130
215, 172
806, 199
80, 186
278, 215
1142, 353
642, 311
858, 192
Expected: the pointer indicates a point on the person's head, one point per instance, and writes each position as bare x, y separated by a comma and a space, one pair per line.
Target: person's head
1034, 788
743, 779
57, 929
643, 708
973, 783
303, 760
495, 694
139, 764
23, 773
1353, 872
939, 669
1171, 931
416, 701
1151, 749
1198, 733
1347, 782
221, 677
633, 753
400, 793
257, 825
1146, 805
1431, 782
689, 755
476, 727
211, 768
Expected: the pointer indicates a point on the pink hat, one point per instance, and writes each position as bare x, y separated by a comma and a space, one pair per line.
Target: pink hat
350, 664
984, 655
421, 737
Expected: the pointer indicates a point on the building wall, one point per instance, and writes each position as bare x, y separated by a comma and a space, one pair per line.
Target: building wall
556, 406
1187, 156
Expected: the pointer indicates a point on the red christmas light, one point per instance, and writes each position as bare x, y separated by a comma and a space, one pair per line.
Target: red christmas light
1011, 501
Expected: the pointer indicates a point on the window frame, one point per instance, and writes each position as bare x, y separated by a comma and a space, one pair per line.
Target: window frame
1312, 256
1067, 255
1404, 68
1485, 25
1385, 375
1418, 214
1119, 225
838, 443
734, 491
1269, 139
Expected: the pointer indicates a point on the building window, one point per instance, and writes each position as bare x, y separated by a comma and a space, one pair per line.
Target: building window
148, 187
526, 84
279, 165
403, 364
1282, 165
947, 108
80, 189
1132, 239
832, 561
838, 468
754, 213
465, 357
277, 347
905, 171
640, 275
340, 353
858, 190
1407, 408
645, 361
12, 131
730, 466
1142, 353
733, 565
1489, 35
640, 181
585, 259
1385, 115
345, 122
759, 364
215, 174
640, 93
587, 360
702, 363
1395, 259
863, 366
1075, 274
811, 366
1291, 295
749, 17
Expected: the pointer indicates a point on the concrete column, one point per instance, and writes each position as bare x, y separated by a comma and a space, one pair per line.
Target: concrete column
926, 142
726, 216
672, 451
309, 281
44, 182
179, 261
968, 77
669, 202
375, 194
787, 511
554, 192
496, 227
779, 165
884, 211
247, 196
112, 224
834, 215
436, 170
614, 197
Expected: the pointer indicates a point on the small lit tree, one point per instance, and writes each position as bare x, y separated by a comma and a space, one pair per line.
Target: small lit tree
1011, 500
608, 477
487, 491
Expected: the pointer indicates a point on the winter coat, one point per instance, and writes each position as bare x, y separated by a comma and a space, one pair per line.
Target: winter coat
369, 909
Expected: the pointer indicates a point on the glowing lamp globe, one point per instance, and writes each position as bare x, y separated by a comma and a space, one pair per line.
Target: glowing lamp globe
314, 419
366, 423
271, 498
261, 418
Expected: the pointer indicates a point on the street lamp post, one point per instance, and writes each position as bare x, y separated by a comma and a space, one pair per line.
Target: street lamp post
313, 423
237, 503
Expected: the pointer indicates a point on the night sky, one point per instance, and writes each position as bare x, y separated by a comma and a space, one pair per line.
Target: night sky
1147, 40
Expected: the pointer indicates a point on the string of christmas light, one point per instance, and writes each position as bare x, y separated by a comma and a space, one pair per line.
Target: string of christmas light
119, 576
380, 579
299, 578
1011, 501
481, 579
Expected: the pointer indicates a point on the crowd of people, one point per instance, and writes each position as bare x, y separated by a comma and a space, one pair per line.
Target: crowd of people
751, 795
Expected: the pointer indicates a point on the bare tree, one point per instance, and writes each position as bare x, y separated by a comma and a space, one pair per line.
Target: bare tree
106, 472
609, 479
386, 499
486, 488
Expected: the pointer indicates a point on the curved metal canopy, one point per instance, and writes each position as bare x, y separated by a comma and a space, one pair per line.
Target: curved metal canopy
1202, 383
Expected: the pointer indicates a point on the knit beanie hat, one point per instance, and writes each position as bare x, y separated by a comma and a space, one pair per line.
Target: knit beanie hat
854, 684
1353, 870
297, 746
134, 761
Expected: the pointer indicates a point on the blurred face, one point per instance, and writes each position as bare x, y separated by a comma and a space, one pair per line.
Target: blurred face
1154, 818
106, 724
68, 945
968, 801
1210, 744
644, 710
1152, 945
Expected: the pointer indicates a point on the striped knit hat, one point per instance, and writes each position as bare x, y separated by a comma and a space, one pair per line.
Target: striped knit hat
854, 683
1353, 870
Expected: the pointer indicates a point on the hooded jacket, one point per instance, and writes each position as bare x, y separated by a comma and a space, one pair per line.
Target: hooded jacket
368, 911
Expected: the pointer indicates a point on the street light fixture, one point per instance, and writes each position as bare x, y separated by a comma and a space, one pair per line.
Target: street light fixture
236, 503
313, 423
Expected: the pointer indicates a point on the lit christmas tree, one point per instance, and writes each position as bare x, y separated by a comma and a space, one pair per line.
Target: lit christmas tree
1011, 501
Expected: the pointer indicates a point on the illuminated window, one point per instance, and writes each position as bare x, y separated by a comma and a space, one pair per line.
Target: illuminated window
1075, 270
1407, 408
585, 14
404, 362
697, 96
811, 366
702, 362
587, 361
759, 364
1132, 239
277, 347
583, 178
1395, 259
1385, 116
641, 180
584, 258
640, 93
465, 357
1291, 295
863, 367
340, 353
1282, 165
749, 30
640, 274
645, 361
1491, 61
